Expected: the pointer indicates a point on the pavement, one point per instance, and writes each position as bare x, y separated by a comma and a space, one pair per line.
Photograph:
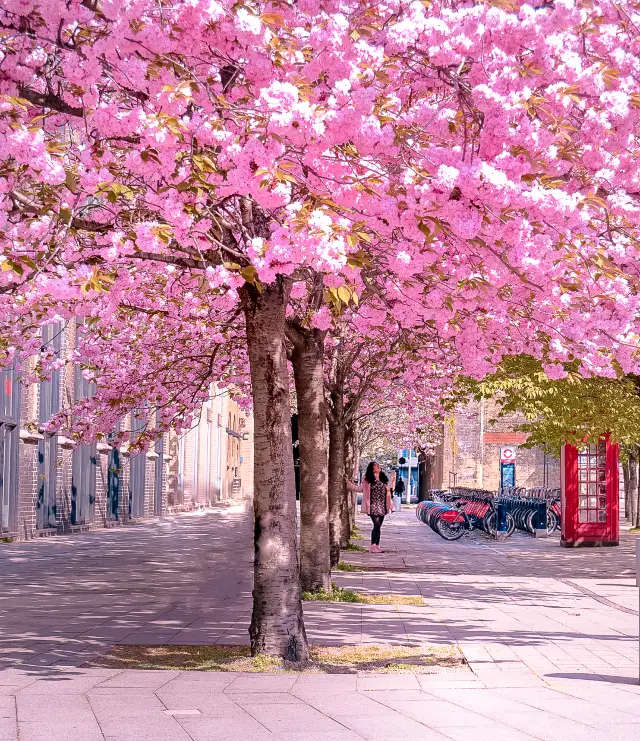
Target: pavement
550, 636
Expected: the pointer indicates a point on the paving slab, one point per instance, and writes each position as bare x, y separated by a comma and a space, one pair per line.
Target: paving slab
550, 637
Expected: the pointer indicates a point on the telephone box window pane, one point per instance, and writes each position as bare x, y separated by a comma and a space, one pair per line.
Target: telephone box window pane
583, 461
602, 447
602, 462
583, 502
592, 502
582, 515
592, 489
593, 515
592, 448
602, 475
602, 515
582, 474
602, 502
583, 488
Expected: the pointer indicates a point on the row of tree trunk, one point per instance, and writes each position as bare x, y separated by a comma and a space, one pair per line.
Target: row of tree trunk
327, 450
631, 487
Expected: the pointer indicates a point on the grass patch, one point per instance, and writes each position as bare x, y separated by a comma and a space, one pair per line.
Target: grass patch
338, 594
344, 566
353, 548
635, 530
324, 659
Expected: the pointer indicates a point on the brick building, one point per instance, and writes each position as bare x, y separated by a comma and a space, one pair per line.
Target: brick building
470, 453
48, 486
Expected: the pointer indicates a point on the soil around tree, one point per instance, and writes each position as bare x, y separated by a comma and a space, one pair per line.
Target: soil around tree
355, 659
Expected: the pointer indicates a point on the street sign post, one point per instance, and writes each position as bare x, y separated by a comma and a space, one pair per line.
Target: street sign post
508, 454
507, 466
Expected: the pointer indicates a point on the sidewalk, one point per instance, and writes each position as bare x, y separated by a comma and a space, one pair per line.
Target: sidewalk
550, 636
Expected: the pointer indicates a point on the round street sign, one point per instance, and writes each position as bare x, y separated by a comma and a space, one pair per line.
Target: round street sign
507, 453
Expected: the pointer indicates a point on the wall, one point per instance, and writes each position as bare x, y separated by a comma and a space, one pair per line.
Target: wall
470, 453
211, 463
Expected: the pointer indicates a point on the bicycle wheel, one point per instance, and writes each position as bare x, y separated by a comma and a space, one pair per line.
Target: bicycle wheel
450, 530
552, 521
489, 523
530, 521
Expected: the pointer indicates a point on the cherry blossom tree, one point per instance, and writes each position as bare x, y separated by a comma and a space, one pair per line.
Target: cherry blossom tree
473, 164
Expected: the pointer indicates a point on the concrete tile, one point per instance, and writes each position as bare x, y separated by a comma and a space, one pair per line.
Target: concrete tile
391, 726
223, 729
486, 733
262, 683
441, 714
293, 718
388, 682
149, 679
70, 731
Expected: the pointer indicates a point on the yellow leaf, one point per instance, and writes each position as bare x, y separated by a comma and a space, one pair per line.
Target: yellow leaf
272, 19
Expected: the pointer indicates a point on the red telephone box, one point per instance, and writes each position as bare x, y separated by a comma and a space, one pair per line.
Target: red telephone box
590, 491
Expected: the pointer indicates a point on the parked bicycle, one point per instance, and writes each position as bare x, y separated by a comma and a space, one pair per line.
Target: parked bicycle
447, 521
480, 506
524, 506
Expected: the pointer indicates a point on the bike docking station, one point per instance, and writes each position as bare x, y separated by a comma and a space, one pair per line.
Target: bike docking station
590, 495
502, 531
498, 514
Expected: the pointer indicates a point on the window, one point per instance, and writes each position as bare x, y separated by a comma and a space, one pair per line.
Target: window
9, 440
46, 514
83, 474
138, 469
592, 484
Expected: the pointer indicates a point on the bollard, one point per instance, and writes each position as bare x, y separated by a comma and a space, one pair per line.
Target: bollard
501, 525
541, 520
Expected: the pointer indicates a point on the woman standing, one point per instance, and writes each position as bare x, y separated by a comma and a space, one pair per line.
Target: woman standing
376, 500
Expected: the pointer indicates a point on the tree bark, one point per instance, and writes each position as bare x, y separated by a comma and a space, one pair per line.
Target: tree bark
277, 625
336, 483
350, 456
633, 486
425, 465
625, 476
635, 521
308, 371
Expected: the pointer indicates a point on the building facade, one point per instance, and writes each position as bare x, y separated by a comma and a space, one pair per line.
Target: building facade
49, 486
470, 453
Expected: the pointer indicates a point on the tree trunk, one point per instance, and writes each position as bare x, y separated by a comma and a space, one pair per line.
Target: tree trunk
635, 521
347, 519
277, 626
425, 464
336, 484
633, 486
350, 458
308, 371
625, 476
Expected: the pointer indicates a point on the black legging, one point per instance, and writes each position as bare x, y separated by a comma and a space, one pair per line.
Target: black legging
377, 524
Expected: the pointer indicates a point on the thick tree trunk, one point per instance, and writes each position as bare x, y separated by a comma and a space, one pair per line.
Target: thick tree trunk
277, 626
308, 371
635, 521
336, 486
425, 468
625, 476
633, 487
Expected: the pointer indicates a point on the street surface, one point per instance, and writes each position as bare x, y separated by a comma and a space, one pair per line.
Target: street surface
551, 637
